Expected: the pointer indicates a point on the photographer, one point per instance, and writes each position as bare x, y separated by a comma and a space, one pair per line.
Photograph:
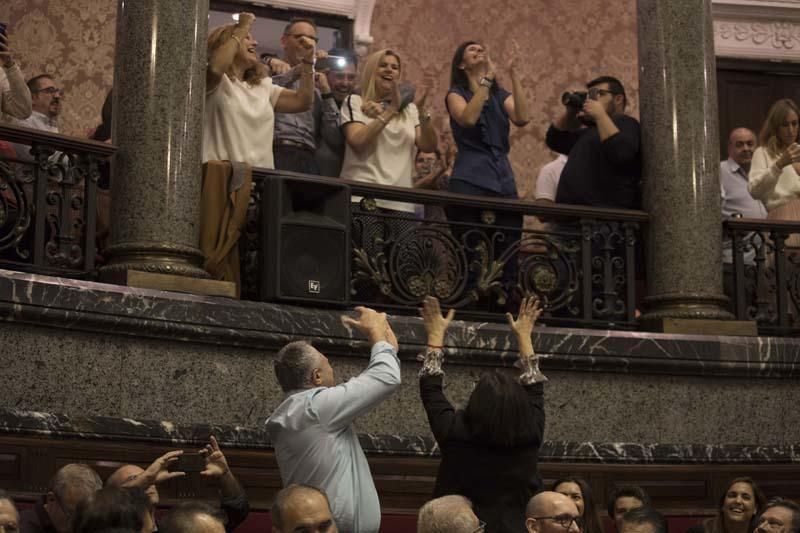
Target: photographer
603, 145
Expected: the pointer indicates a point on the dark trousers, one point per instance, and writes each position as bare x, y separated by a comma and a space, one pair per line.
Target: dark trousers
510, 222
295, 159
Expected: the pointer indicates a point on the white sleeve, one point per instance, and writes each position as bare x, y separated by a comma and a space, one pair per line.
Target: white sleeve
351, 111
337, 407
763, 176
413, 114
546, 184
274, 91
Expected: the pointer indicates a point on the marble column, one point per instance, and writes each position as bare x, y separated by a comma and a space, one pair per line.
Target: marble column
159, 86
680, 147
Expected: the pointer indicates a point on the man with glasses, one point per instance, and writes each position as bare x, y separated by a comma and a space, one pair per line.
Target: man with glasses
779, 516
45, 103
552, 512
54, 511
297, 134
603, 145
449, 514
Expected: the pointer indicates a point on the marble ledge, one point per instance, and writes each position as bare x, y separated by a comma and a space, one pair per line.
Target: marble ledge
168, 316
59, 426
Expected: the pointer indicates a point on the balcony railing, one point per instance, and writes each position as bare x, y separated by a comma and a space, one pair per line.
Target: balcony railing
48, 201
765, 273
582, 262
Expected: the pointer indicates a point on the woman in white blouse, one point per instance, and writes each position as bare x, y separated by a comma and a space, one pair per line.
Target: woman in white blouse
241, 100
382, 134
774, 176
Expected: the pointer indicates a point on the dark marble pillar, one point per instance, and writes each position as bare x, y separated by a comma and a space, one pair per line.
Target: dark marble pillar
159, 86
678, 88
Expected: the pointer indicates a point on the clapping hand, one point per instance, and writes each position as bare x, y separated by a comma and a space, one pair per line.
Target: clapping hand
514, 54
529, 312
435, 324
420, 102
245, 21
216, 464
373, 324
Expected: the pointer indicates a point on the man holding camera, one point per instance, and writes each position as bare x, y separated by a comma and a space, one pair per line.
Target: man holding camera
603, 144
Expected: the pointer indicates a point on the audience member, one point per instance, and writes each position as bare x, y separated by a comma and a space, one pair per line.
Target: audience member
480, 115
643, 520
193, 517
312, 429
241, 101
775, 170
736, 199
296, 135
737, 509
429, 173
449, 514
547, 180
604, 165
341, 76
551, 512
115, 507
579, 491
490, 449
624, 499
233, 499
779, 516
53, 512
102, 132
9, 517
45, 104
15, 97
303, 508
383, 130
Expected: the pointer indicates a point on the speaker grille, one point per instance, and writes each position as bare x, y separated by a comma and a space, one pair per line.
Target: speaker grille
313, 264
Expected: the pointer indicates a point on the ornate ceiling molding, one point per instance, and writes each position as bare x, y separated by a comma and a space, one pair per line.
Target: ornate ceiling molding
757, 29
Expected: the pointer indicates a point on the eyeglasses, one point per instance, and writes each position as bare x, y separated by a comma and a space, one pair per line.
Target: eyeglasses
50, 91
481, 527
299, 36
563, 520
594, 93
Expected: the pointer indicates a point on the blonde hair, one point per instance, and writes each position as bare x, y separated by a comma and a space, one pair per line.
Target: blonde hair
368, 81
221, 35
768, 137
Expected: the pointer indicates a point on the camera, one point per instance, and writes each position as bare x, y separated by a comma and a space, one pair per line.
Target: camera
576, 99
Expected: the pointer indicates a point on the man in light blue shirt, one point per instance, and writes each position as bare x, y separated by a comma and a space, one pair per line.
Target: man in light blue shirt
312, 430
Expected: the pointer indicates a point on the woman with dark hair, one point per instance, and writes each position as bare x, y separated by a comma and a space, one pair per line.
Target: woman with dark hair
774, 176
490, 449
579, 491
738, 507
125, 508
241, 100
480, 115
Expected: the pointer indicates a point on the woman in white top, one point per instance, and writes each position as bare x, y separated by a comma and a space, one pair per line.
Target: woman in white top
383, 135
774, 176
241, 101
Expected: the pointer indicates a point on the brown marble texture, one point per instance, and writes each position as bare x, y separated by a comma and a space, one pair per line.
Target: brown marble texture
680, 140
158, 118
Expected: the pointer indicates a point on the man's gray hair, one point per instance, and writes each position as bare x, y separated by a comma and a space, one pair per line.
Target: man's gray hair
294, 364
75, 476
448, 514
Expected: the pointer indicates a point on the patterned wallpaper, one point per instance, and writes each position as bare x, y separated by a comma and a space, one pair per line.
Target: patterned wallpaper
73, 40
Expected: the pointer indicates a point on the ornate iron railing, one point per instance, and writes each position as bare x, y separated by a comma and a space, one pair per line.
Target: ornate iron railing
582, 262
763, 279
48, 201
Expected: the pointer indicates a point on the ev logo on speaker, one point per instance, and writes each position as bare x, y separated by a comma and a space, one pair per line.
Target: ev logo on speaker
313, 286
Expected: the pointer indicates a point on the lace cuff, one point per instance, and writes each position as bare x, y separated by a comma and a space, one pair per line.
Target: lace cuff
432, 361
531, 374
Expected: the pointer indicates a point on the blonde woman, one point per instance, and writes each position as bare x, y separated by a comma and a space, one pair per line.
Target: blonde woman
241, 100
774, 176
382, 134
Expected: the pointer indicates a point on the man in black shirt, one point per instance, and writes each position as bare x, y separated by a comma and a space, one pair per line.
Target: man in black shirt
604, 166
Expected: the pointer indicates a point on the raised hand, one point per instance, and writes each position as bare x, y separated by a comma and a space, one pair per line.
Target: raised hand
435, 324
6, 55
279, 66
372, 324
371, 109
529, 312
216, 464
514, 55
246, 20
420, 102
157, 472
321, 81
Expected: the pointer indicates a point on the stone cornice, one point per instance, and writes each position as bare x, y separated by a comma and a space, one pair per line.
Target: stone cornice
757, 29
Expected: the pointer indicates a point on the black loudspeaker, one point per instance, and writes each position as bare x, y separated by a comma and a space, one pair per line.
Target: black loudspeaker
305, 231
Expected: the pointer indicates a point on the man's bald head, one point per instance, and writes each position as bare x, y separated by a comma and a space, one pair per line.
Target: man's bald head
546, 509
125, 473
299, 507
